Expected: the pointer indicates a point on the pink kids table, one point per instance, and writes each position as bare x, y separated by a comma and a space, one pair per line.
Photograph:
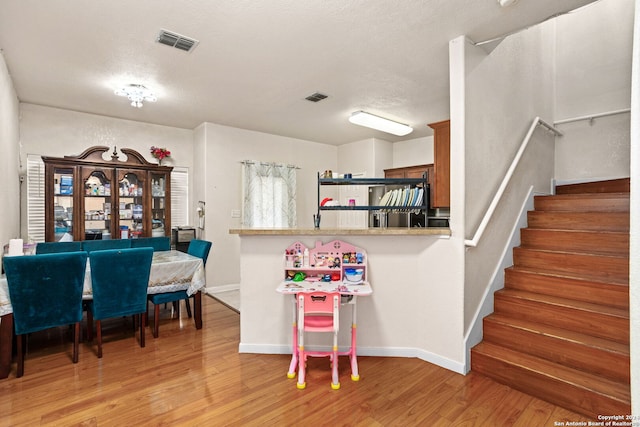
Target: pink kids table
327, 268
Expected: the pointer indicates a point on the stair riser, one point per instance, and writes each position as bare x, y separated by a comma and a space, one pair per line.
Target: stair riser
600, 325
548, 388
578, 265
575, 241
617, 221
592, 292
576, 203
606, 363
622, 185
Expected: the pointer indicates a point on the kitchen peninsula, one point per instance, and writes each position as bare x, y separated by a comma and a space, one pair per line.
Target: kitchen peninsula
408, 268
389, 231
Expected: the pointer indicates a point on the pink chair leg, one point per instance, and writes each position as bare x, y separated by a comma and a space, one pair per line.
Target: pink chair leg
355, 376
294, 350
335, 382
302, 358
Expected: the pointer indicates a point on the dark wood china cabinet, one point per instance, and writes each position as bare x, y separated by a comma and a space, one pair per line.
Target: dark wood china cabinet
88, 197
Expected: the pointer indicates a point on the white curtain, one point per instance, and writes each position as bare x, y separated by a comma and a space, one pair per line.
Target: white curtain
269, 195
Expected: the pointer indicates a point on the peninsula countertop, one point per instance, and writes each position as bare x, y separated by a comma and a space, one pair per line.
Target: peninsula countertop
389, 231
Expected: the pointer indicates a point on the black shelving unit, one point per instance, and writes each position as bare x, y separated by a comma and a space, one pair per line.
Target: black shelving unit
387, 182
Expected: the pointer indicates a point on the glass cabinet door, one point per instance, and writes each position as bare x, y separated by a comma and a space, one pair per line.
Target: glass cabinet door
158, 204
62, 202
130, 196
97, 206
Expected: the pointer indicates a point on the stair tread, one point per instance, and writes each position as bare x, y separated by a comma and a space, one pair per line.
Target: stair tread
565, 302
558, 275
565, 334
596, 383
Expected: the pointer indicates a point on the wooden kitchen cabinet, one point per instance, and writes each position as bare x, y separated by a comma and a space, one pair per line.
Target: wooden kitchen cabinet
89, 197
440, 190
407, 172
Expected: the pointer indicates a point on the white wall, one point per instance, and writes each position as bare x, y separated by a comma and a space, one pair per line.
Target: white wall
9, 160
593, 75
225, 148
415, 309
505, 90
418, 151
56, 132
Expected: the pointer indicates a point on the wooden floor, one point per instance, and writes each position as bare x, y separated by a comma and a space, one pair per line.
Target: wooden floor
198, 378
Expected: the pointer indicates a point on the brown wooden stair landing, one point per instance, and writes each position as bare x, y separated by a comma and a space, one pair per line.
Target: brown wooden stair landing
560, 327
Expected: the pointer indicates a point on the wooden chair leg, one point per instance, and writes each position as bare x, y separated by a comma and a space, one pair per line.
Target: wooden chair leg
175, 314
89, 326
156, 320
76, 341
197, 309
99, 333
20, 344
186, 302
142, 322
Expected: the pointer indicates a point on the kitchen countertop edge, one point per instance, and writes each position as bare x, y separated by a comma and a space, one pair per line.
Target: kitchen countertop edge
389, 231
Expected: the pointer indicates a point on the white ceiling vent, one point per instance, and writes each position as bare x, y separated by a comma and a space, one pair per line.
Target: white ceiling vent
177, 40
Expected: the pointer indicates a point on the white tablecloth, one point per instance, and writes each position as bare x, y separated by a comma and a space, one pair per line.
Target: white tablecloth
170, 271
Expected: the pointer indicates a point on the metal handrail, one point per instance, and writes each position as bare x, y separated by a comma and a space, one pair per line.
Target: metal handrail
505, 181
592, 116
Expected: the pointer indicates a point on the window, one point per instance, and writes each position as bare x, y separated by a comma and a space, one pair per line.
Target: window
35, 198
179, 196
269, 198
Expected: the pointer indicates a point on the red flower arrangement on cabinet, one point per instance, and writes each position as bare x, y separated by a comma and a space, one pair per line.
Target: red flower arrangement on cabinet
160, 153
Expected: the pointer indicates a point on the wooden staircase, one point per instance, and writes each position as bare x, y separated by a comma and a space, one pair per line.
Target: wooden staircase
560, 327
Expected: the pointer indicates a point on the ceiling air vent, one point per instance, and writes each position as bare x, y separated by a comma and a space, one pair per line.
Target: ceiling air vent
315, 97
176, 40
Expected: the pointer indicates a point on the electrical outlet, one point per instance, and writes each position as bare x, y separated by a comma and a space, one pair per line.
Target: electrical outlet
235, 213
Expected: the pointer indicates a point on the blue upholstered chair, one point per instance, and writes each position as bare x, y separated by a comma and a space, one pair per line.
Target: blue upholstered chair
101, 245
45, 292
119, 278
157, 243
57, 247
198, 248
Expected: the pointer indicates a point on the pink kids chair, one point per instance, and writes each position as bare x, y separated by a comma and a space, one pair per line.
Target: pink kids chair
318, 312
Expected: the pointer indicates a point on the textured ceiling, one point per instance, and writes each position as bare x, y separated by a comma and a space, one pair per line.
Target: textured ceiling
255, 61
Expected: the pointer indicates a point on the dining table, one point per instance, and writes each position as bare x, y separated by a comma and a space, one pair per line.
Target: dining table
171, 271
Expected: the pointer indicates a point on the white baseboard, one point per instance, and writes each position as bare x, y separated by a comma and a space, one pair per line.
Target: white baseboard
443, 362
223, 288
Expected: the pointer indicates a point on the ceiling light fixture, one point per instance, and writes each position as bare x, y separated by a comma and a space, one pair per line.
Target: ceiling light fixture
379, 123
136, 94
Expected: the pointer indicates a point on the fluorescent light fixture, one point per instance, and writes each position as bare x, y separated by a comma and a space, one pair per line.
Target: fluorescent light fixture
379, 123
137, 94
